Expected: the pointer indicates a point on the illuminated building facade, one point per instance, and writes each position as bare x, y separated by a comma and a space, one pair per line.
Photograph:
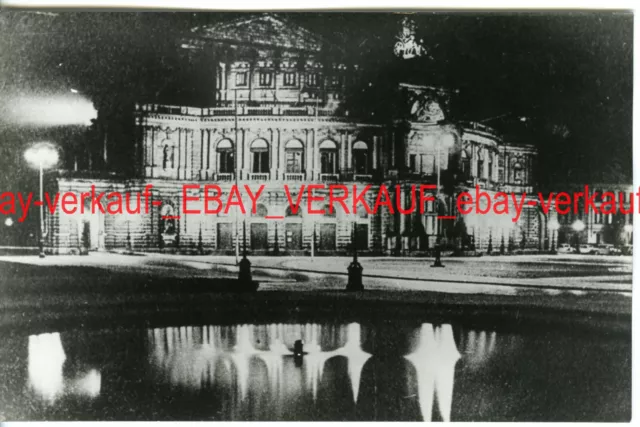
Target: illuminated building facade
279, 118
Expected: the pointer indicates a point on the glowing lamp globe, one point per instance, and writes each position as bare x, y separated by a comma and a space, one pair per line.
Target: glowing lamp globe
42, 154
578, 225
553, 224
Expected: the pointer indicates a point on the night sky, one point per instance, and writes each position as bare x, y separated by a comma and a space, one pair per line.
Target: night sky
569, 73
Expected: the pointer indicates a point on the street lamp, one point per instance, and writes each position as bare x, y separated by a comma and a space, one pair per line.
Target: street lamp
8, 222
42, 155
354, 271
553, 226
578, 226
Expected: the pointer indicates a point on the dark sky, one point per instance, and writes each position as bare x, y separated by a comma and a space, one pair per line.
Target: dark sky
571, 73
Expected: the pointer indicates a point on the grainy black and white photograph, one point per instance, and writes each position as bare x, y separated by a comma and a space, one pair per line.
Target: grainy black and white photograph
316, 216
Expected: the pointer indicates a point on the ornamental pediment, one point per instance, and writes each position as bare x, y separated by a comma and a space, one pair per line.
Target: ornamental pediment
265, 29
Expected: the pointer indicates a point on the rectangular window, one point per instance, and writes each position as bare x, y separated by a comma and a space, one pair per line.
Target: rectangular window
430, 164
328, 160
260, 162
226, 162
289, 79
335, 80
412, 162
294, 161
241, 78
265, 78
312, 79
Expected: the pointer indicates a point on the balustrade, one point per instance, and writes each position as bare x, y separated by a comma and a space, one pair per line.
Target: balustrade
258, 177
294, 177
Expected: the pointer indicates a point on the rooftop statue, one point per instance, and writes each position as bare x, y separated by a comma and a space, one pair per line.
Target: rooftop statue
407, 47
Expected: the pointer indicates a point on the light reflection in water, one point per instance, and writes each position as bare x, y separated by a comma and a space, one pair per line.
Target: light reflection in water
195, 357
434, 361
45, 367
46, 357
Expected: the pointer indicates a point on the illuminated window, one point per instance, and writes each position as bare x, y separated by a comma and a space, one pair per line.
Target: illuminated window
265, 78
518, 173
260, 154
289, 79
225, 156
465, 164
293, 156
360, 157
328, 157
312, 79
241, 79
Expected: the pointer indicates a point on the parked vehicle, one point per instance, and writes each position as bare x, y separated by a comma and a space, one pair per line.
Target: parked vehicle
587, 249
566, 248
627, 250
606, 249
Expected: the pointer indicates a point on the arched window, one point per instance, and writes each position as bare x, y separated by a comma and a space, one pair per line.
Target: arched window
328, 157
294, 153
167, 220
518, 173
465, 164
225, 156
360, 157
168, 156
480, 164
260, 156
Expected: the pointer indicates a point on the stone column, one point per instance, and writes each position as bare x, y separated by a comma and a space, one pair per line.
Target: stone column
239, 153
212, 155
246, 147
341, 150
208, 166
202, 151
375, 154
178, 161
281, 166
474, 161
349, 152
145, 147
189, 154
307, 150
485, 165
394, 139
152, 160
316, 156
273, 154
406, 153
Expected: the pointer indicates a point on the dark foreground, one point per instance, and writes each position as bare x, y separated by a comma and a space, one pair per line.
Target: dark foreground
92, 344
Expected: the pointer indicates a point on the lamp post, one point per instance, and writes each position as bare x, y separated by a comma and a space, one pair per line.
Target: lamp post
42, 155
578, 226
628, 229
355, 268
553, 226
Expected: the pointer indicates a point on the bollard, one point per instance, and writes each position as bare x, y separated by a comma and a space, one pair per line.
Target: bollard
437, 262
